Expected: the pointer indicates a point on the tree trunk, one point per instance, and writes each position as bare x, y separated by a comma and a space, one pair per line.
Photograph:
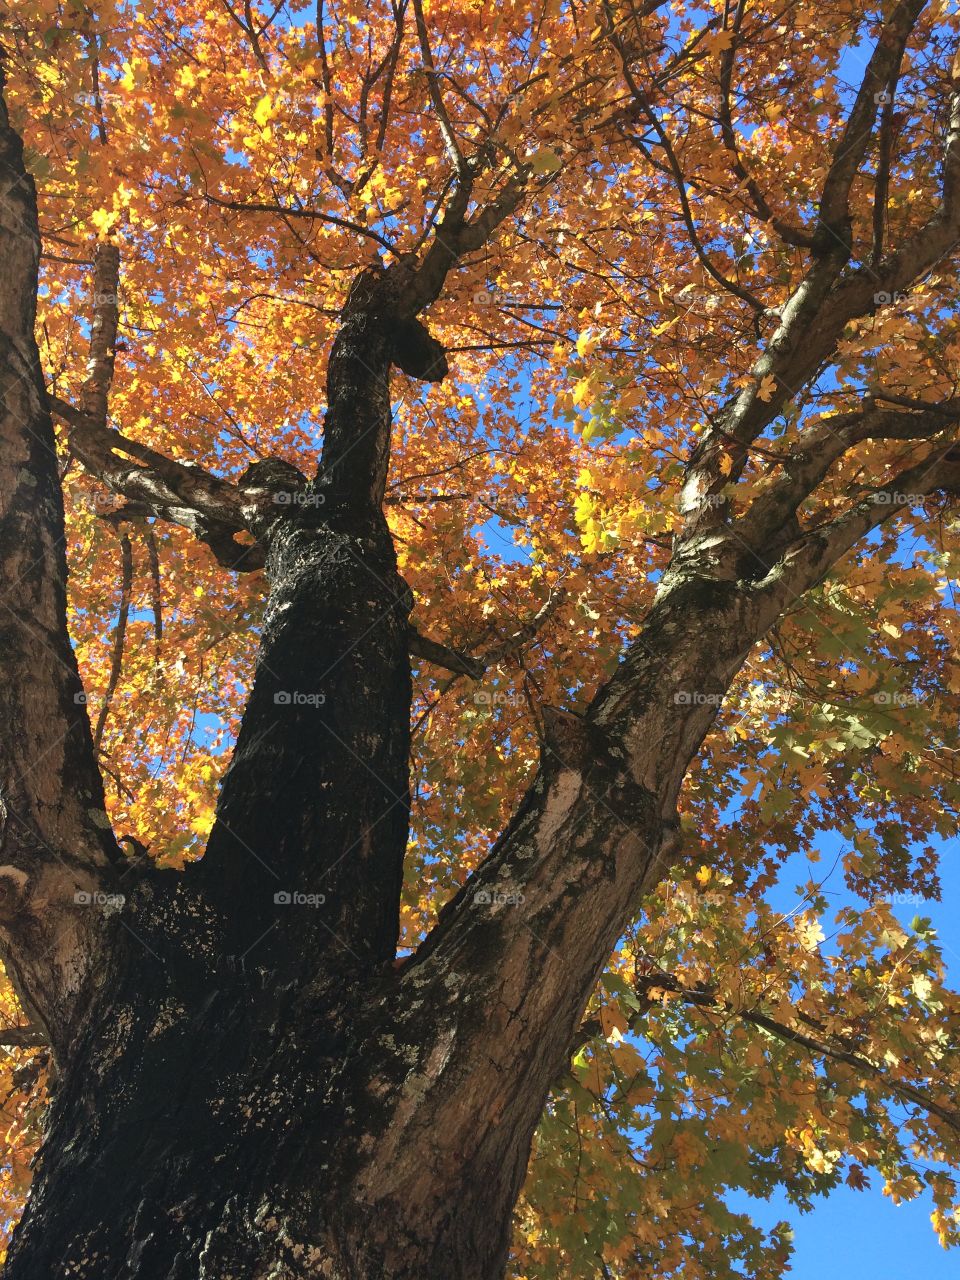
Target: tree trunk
216, 1121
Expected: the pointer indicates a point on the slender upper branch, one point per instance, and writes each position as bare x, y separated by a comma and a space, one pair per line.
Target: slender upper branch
810, 1036
827, 299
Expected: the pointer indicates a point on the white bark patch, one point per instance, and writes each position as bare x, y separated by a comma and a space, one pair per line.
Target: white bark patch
560, 800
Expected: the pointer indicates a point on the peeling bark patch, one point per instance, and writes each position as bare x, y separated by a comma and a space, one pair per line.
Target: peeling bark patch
561, 798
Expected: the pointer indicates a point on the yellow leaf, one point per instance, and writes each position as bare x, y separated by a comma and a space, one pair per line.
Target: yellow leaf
718, 41
545, 161
581, 391
662, 328
103, 220
263, 111
767, 387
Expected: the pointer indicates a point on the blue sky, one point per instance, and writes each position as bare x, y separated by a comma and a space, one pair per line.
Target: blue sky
852, 1234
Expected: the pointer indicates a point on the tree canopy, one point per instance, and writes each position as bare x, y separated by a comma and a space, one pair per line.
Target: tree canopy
694, 273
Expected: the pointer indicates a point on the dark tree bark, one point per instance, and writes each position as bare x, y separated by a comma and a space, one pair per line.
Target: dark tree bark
249, 1085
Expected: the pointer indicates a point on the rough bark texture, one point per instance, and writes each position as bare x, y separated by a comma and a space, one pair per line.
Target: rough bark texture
249, 1085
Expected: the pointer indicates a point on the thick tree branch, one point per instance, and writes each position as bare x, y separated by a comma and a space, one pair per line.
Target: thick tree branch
454, 154
28, 1037
103, 331
119, 636
529, 932
821, 446
55, 839
214, 510
461, 664
881, 72
810, 558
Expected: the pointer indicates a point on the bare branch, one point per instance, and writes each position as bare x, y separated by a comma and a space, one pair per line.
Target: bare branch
881, 72
119, 636
214, 510
823, 445
462, 663
27, 1037
643, 103
789, 234
454, 154
312, 215
103, 331
813, 555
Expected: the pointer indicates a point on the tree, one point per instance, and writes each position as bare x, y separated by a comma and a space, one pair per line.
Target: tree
325, 304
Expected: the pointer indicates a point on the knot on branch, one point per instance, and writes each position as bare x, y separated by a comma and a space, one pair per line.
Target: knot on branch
13, 884
274, 484
416, 352
383, 295
566, 736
